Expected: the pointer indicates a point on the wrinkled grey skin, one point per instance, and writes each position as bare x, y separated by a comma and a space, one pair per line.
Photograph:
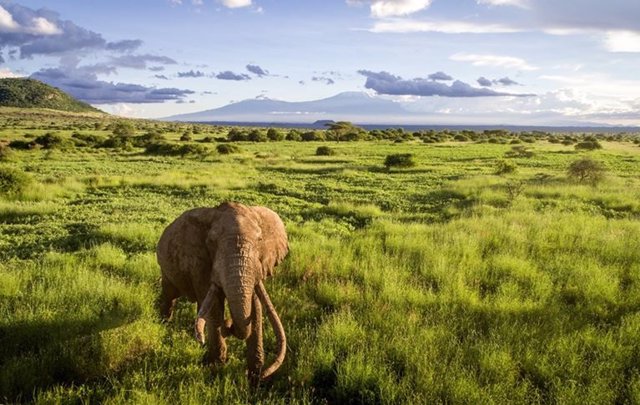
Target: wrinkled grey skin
212, 254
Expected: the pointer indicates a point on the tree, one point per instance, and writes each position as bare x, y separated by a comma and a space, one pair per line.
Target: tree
123, 128
343, 130
257, 136
586, 171
274, 135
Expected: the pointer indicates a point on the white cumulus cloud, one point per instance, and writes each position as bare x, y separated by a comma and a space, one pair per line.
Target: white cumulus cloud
236, 3
447, 27
392, 8
37, 26
622, 41
493, 60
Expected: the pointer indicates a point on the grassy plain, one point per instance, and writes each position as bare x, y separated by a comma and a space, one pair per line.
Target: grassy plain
439, 283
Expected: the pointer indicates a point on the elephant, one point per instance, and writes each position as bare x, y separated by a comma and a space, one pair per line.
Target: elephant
212, 254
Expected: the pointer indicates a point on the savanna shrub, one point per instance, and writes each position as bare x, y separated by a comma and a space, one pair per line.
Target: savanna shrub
325, 151
186, 137
586, 171
12, 181
588, 145
6, 153
505, 167
257, 136
169, 149
87, 139
519, 151
274, 135
399, 160
226, 149
53, 141
118, 142
23, 144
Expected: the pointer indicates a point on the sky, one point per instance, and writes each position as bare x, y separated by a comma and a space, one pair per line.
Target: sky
529, 62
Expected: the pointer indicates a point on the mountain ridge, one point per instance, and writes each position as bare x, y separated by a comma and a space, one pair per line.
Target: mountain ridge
343, 106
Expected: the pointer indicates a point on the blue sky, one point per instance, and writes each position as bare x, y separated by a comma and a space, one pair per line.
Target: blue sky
541, 62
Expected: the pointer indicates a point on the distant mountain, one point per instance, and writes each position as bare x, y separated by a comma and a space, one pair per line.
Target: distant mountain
30, 93
348, 106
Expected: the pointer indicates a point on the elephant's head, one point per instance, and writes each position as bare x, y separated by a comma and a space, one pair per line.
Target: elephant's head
245, 244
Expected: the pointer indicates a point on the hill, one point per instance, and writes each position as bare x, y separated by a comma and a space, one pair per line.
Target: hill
30, 93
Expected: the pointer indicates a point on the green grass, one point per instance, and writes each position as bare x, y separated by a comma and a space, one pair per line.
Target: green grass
438, 283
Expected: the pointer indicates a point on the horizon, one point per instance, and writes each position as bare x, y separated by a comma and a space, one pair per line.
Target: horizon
483, 62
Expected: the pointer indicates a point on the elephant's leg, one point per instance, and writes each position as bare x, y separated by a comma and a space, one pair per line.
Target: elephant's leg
255, 350
215, 324
168, 297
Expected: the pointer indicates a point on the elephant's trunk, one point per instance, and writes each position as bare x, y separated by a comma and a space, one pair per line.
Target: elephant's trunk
239, 292
281, 339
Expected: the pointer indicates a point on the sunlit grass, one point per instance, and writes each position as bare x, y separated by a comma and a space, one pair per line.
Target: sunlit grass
443, 283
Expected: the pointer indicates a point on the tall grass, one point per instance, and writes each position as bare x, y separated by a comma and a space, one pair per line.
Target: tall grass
435, 284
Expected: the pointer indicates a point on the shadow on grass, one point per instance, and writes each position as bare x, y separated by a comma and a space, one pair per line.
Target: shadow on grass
40, 353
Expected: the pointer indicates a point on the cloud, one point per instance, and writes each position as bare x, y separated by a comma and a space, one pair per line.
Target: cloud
235, 3
7, 73
439, 76
403, 25
516, 3
229, 75
86, 87
191, 74
493, 60
483, 81
126, 45
161, 77
140, 61
323, 79
622, 41
505, 81
257, 70
156, 68
392, 8
386, 83
42, 32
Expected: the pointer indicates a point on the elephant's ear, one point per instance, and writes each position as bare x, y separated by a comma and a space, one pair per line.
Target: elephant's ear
275, 245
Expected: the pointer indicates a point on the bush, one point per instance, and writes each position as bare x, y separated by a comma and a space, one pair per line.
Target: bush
294, 135
118, 142
236, 135
6, 153
461, 138
588, 145
505, 167
399, 160
87, 139
257, 136
274, 135
586, 171
52, 141
186, 137
143, 141
123, 128
226, 149
519, 151
13, 182
170, 149
325, 151
23, 144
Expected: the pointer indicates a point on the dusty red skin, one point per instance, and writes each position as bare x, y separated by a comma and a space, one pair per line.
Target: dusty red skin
212, 254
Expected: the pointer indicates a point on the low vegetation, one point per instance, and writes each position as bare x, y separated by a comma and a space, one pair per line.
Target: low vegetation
444, 283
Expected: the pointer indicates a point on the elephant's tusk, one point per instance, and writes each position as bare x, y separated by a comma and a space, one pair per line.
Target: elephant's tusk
281, 339
205, 308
